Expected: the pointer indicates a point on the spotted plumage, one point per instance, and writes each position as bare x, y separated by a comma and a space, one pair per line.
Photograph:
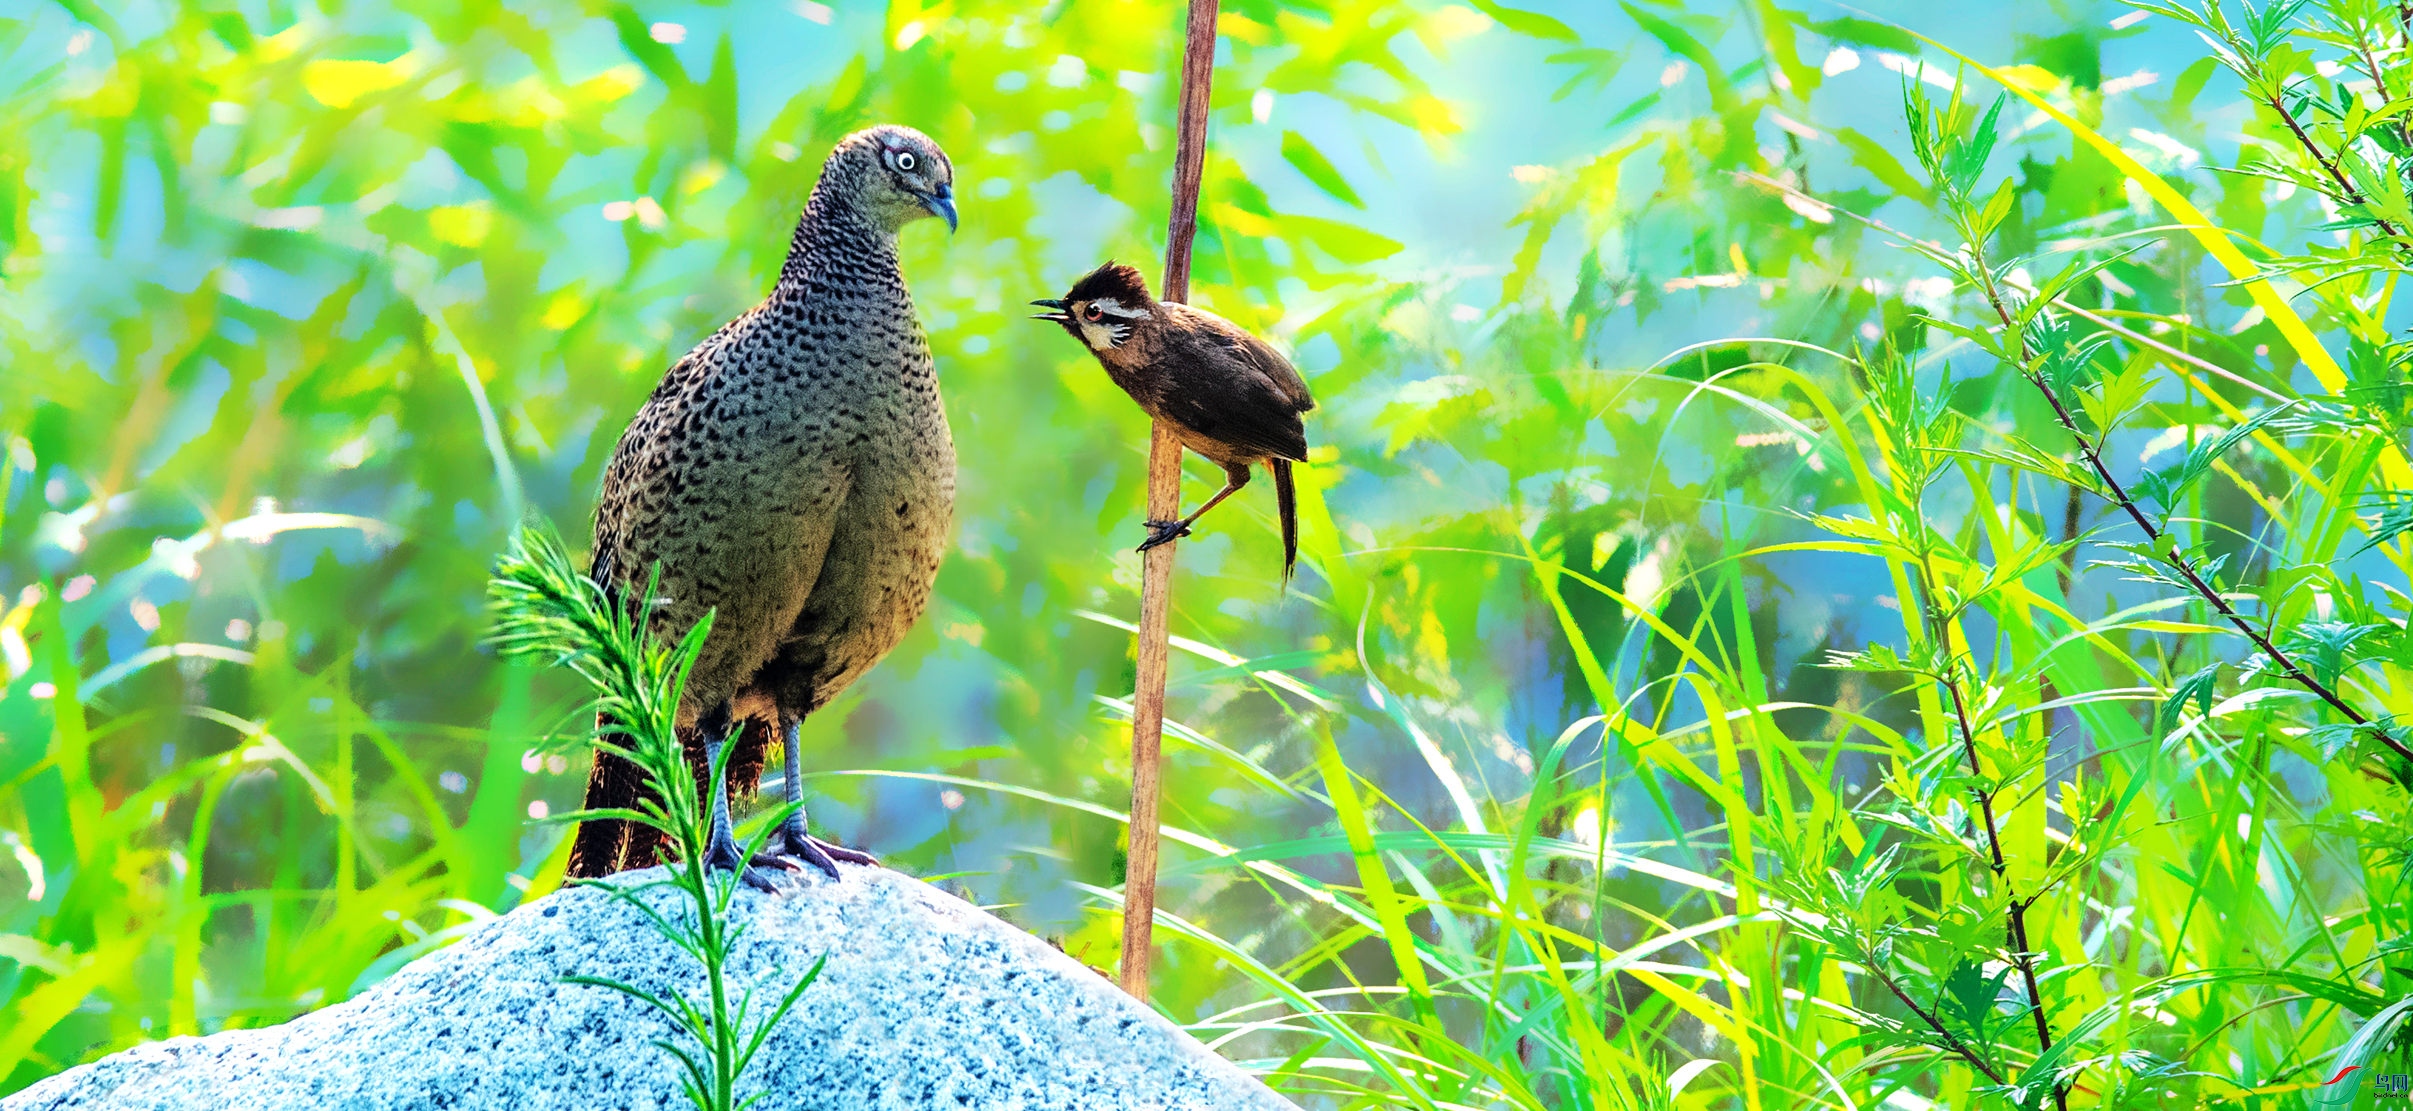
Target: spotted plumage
794, 474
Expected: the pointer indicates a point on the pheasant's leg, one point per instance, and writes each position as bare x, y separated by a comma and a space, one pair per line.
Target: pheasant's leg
1235, 476
795, 842
724, 851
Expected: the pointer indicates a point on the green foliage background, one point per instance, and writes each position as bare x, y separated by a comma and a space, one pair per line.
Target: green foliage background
1677, 476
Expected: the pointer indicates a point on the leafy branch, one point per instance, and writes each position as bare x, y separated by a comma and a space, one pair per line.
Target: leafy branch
546, 610
2256, 46
1921, 429
2060, 362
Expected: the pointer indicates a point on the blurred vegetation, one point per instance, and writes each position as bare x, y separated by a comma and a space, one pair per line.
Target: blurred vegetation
1838, 572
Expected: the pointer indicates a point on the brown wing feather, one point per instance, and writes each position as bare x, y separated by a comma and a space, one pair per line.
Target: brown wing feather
1233, 387
1258, 355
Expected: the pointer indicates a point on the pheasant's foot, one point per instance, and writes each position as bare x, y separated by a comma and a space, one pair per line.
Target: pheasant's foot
797, 845
725, 855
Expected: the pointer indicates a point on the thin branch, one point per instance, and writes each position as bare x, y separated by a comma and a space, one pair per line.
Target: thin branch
1951, 1041
2171, 553
2015, 926
2327, 166
2345, 190
1164, 504
2379, 76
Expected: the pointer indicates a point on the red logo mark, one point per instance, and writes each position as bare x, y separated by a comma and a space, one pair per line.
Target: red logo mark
2341, 1074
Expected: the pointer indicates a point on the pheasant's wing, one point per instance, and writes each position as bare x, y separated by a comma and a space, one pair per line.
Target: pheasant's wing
626, 480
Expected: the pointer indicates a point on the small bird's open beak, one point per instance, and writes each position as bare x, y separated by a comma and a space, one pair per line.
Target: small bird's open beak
942, 204
1059, 316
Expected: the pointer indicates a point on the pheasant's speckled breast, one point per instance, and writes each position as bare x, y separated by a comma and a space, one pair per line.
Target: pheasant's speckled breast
794, 476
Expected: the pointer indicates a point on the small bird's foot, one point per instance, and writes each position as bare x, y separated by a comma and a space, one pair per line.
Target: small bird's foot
1164, 532
725, 856
798, 845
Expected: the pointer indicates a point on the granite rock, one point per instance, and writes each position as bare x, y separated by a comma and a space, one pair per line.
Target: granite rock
926, 1002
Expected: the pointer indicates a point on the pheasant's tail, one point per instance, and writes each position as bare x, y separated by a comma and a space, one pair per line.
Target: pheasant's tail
1286, 497
608, 845
613, 783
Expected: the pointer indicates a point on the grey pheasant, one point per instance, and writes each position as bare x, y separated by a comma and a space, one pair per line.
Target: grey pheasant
795, 473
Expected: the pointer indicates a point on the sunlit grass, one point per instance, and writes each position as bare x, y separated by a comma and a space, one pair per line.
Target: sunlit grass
1540, 790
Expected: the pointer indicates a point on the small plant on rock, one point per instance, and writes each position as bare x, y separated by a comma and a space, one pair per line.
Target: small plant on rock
547, 610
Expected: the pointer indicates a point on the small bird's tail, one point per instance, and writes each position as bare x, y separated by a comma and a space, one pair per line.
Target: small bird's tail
1286, 497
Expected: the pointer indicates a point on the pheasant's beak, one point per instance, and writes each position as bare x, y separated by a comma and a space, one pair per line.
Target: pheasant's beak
1059, 316
942, 204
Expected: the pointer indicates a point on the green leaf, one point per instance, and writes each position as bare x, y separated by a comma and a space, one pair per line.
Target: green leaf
2078, 270
1681, 43
2013, 451
1594, 68
1967, 161
1638, 106
1303, 156
636, 37
1868, 32
1984, 338
2064, 358
1874, 657
2146, 566
2395, 518
719, 92
2195, 690
2328, 648
1973, 997
1531, 24
1870, 155
2191, 82
2170, 484
1997, 209
1346, 243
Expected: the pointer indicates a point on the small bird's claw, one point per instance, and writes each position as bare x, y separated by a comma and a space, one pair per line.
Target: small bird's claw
1164, 532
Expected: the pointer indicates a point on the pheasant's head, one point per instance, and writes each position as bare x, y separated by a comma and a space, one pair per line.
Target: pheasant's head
895, 175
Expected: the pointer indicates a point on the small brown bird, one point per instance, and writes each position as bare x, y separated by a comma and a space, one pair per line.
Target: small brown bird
1229, 395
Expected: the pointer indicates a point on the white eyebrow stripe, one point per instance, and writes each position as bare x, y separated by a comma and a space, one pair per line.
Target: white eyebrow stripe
1112, 307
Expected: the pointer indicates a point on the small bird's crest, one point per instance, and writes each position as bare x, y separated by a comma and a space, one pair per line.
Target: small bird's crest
1116, 281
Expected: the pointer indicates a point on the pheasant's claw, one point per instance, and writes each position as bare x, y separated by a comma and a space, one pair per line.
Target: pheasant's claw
724, 856
820, 854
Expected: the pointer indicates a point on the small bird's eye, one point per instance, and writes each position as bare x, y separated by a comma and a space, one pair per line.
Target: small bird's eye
904, 160
1092, 313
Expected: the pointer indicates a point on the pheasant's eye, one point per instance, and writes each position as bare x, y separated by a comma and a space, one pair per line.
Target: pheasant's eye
904, 160
1092, 314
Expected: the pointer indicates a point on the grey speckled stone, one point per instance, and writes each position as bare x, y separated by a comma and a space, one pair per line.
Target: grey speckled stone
926, 1002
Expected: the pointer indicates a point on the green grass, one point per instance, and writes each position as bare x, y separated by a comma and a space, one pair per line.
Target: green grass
1690, 565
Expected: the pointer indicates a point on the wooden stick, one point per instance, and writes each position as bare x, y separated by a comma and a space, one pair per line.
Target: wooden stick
1164, 504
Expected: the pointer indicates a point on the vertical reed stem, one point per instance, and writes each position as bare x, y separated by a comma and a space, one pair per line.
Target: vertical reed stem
1164, 504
